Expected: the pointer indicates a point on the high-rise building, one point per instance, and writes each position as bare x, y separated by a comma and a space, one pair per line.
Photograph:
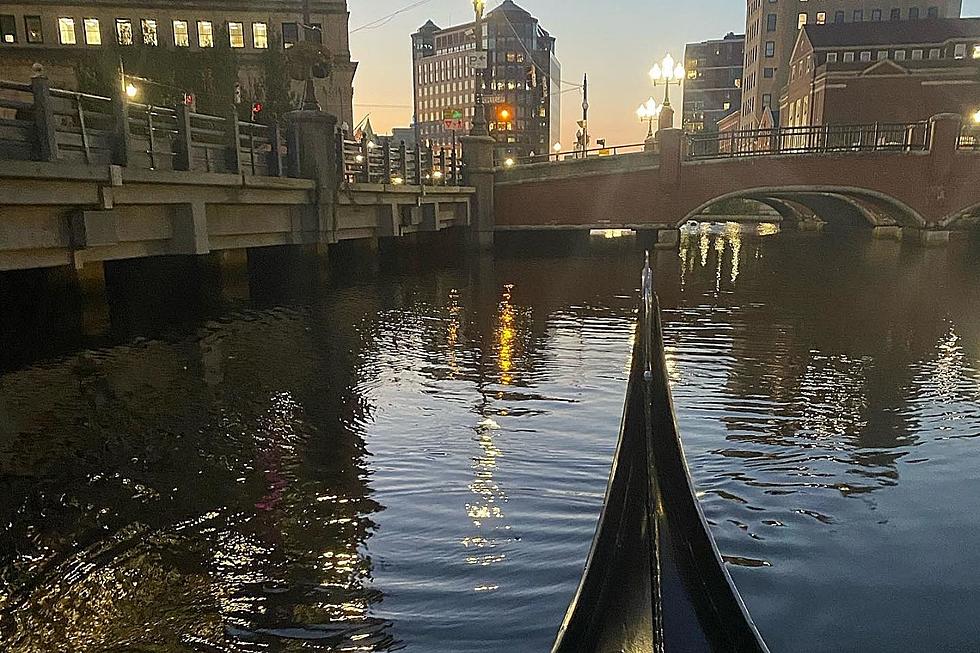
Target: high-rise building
713, 88
771, 30
520, 87
65, 37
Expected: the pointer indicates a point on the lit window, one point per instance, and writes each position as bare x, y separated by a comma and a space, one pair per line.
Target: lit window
236, 35
976, 51
66, 31
93, 34
124, 31
182, 37
821, 17
801, 20
150, 32
260, 36
8, 29
35, 33
205, 34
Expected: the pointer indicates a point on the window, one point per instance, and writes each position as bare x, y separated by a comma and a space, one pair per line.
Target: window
66, 31
236, 35
260, 36
182, 37
876, 15
933, 12
959, 51
32, 25
770, 48
725, 106
801, 20
913, 13
882, 55
93, 33
896, 14
768, 73
934, 53
831, 57
976, 51
315, 33
916, 55
290, 34
124, 31
150, 32
205, 34
821, 17
771, 23
8, 29
838, 16
767, 99
858, 15
900, 55
848, 57
865, 55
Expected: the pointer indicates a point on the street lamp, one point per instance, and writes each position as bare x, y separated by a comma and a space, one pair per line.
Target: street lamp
976, 117
131, 90
310, 102
665, 73
647, 112
479, 112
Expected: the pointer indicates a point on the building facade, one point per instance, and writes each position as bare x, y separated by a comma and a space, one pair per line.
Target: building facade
891, 73
520, 87
771, 29
713, 88
55, 33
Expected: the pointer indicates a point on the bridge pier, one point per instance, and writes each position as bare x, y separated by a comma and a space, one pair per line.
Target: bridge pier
927, 237
887, 232
479, 173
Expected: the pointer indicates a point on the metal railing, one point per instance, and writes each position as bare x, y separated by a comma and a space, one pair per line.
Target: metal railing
575, 155
366, 161
40, 123
877, 137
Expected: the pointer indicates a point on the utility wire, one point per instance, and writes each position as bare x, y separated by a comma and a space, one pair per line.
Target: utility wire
384, 20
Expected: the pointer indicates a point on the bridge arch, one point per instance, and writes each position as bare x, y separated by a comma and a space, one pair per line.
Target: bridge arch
836, 205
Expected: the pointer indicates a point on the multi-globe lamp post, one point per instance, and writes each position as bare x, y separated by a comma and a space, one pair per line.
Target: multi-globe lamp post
479, 114
647, 112
666, 73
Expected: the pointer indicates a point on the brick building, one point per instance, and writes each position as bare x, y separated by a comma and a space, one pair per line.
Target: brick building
771, 30
55, 33
878, 73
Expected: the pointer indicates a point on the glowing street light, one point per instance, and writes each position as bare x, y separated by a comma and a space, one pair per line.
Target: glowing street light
976, 117
508, 163
667, 72
556, 147
647, 112
131, 90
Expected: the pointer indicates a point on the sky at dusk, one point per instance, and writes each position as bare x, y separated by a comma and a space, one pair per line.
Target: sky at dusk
615, 41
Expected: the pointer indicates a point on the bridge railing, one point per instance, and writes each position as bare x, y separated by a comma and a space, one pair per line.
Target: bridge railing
366, 161
969, 138
876, 137
611, 150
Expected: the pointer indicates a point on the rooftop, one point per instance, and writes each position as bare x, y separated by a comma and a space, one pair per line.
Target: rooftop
905, 32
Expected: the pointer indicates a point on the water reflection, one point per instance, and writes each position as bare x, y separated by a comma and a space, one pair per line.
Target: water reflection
698, 241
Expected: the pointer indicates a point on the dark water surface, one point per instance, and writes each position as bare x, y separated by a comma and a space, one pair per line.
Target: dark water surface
416, 460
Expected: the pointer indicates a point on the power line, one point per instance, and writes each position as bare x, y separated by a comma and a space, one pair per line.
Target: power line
384, 20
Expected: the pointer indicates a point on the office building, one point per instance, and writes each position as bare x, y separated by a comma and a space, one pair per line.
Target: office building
520, 87
771, 29
713, 88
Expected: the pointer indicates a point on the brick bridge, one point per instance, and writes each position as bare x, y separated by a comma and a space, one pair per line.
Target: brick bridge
920, 180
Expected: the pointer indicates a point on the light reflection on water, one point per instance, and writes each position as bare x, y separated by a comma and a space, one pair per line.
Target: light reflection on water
418, 461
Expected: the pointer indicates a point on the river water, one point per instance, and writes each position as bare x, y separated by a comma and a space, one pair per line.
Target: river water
415, 460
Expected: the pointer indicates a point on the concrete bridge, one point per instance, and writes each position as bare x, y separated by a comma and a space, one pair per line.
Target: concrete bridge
920, 181
85, 180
